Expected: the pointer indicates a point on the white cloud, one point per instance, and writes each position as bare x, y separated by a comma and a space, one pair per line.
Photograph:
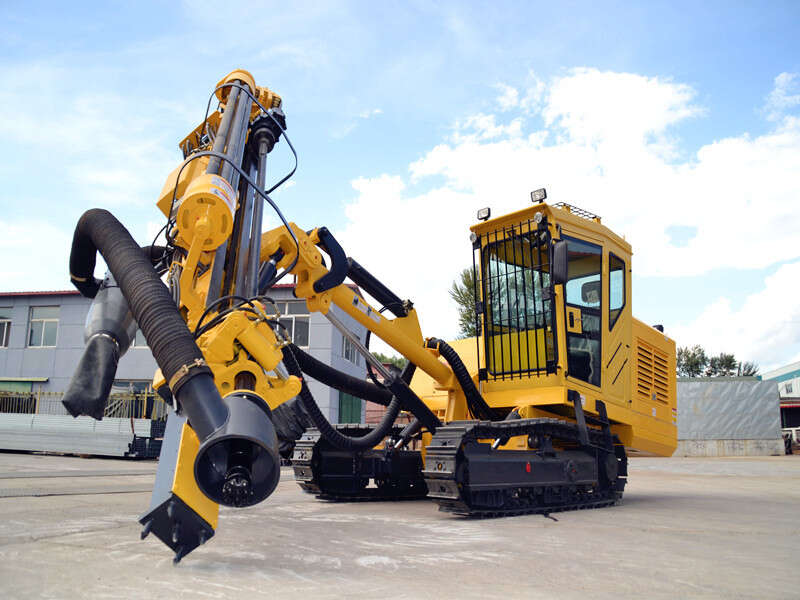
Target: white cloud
366, 114
508, 98
765, 327
783, 97
102, 144
484, 127
605, 147
45, 248
346, 126
616, 108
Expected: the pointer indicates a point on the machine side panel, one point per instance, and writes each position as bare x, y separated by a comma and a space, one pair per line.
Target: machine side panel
654, 385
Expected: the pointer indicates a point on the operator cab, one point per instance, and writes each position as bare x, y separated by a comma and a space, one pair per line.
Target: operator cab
521, 261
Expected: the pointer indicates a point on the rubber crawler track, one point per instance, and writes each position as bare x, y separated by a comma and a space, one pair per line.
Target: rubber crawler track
446, 448
445, 464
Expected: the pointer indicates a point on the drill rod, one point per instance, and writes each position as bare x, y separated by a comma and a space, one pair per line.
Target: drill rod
254, 260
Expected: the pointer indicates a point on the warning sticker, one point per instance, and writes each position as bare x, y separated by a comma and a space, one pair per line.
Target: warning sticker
224, 191
221, 183
366, 309
225, 199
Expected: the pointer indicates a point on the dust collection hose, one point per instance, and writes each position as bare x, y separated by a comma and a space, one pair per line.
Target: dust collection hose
477, 405
152, 306
327, 430
217, 423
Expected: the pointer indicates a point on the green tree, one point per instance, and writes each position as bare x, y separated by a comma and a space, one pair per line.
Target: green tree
691, 361
747, 369
463, 292
722, 365
397, 361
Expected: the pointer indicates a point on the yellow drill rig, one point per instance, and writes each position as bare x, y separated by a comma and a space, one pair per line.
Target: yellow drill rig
533, 415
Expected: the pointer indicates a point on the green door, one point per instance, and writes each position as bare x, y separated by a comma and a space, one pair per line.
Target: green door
349, 408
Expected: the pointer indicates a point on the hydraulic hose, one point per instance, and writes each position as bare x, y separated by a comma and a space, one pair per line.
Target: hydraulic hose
327, 430
339, 380
477, 405
170, 341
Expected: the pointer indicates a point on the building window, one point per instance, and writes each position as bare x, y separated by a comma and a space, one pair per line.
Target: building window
788, 388
349, 408
349, 351
43, 327
5, 326
294, 319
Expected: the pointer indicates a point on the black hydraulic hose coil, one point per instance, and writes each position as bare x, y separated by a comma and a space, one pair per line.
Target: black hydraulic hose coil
327, 430
339, 380
152, 306
477, 405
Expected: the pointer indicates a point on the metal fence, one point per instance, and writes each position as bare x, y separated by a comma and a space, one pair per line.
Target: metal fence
145, 405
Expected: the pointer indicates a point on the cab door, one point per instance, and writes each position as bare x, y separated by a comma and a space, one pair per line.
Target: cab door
583, 295
617, 324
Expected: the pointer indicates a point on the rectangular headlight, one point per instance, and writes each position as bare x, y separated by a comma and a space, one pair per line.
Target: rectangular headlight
539, 195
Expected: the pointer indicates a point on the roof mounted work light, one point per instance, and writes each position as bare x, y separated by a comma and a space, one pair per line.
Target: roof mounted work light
539, 195
484, 213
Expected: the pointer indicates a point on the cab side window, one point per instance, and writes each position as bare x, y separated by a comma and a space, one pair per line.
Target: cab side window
616, 288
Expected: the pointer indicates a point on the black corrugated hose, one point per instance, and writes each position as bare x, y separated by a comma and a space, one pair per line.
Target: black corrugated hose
170, 340
477, 405
339, 380
327, 430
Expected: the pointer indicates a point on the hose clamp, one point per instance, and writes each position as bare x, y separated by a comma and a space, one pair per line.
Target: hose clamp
105, 335
184, 371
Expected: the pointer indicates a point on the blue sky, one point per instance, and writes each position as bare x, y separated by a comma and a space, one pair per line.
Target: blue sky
676, 121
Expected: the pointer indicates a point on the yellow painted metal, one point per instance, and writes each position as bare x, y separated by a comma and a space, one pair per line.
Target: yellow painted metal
638, 362
574, 323
401, 333
520, 350
267, 98
194, 140
193, 168
228, 346
209, 201
237, 75
184, 485
637, 383
393, 334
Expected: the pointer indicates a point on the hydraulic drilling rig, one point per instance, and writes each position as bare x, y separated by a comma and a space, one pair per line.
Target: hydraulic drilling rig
533, 415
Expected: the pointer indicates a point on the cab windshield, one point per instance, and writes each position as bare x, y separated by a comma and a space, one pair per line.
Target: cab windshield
518, 302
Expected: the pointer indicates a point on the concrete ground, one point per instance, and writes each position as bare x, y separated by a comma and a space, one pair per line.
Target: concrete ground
688, 527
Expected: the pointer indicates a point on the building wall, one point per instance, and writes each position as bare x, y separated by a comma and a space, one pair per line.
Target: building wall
788, 380
728, 416
58, 364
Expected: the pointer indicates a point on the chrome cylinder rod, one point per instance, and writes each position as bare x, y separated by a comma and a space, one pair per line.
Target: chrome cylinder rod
254, 257
245, 238
361, 348
221, 137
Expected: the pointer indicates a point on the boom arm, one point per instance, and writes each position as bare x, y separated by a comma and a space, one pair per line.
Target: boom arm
401, 333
